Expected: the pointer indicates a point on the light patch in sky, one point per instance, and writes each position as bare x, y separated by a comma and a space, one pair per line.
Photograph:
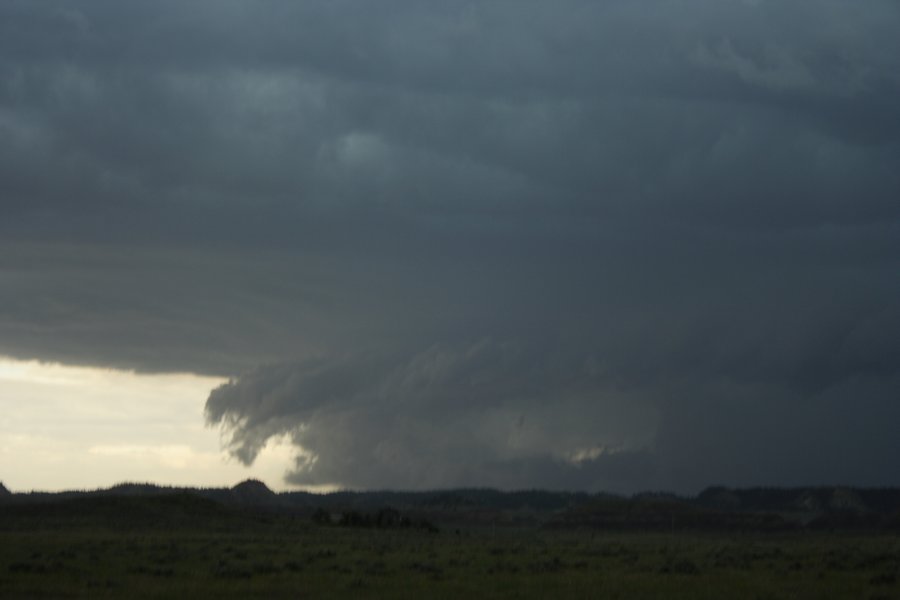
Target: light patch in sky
66, 427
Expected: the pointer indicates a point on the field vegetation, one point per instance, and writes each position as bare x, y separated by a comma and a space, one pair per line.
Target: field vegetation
181, 545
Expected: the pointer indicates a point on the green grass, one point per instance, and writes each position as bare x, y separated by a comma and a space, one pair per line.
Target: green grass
245, 556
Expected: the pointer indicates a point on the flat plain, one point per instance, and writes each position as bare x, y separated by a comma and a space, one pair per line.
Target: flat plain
180, 547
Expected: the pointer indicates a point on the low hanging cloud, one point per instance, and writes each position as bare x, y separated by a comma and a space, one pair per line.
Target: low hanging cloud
661, 238
517, 415
445, 416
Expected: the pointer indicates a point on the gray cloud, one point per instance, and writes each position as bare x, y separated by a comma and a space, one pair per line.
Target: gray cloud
676, 221
606, 108
489, 411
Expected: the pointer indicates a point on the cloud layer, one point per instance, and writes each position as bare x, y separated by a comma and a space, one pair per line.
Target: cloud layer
662, 238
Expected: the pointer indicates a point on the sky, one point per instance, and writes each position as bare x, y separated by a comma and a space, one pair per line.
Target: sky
589, 244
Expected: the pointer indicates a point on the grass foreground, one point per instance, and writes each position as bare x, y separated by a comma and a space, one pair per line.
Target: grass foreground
165, 548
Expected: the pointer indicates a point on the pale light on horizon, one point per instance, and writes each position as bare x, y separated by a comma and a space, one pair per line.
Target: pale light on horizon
73, 427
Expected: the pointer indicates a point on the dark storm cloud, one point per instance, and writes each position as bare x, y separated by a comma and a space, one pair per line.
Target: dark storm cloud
664, 236
607, 108
446, 416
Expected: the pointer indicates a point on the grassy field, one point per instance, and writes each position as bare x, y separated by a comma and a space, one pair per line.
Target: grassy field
176, 555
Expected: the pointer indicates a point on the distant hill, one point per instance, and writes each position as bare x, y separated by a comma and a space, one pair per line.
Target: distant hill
136, 489
175, 510
811, 500
716, 508
753, 509
254, 493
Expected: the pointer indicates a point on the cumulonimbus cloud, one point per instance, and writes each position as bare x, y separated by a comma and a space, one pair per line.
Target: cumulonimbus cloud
664, 214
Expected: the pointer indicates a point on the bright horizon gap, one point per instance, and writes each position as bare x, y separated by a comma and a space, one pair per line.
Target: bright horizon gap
66, 428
